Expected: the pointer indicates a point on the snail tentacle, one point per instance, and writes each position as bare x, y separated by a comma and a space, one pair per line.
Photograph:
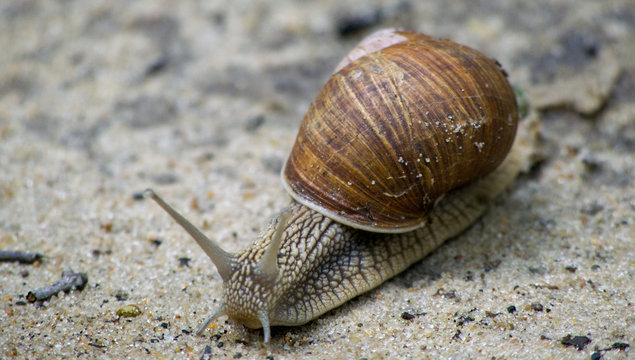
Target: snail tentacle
221, 258
268, 263
264, 320
218, 313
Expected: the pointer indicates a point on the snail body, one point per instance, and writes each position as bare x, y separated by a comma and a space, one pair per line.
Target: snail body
403, 148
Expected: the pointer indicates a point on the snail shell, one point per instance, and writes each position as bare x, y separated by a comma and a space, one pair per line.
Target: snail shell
410, 136
394, 130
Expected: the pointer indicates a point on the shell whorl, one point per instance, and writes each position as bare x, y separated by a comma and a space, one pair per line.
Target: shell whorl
394, 130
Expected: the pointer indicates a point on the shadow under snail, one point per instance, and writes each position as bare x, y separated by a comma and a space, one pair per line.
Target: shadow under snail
403, 148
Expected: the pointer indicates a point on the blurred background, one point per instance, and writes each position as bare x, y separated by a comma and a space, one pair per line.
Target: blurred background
201, 100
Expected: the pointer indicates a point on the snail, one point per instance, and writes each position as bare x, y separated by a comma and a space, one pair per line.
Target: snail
403, 148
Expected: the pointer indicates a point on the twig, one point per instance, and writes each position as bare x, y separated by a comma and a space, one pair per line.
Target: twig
68, 281
25, 257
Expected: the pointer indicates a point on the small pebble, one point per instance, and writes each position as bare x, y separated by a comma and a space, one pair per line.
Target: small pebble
579, 342
129, 311
157, 66
536, 307
185, 261
254, 122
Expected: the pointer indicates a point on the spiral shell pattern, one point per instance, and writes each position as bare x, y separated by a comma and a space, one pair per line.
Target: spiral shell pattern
394, 130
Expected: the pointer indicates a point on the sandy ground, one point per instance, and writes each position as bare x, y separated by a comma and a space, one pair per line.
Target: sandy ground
201, 101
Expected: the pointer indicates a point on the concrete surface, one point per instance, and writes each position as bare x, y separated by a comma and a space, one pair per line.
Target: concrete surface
201, 101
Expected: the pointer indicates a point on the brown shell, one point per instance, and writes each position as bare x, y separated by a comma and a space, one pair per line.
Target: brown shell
394, 130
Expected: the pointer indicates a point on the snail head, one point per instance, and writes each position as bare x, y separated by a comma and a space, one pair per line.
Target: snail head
248, 284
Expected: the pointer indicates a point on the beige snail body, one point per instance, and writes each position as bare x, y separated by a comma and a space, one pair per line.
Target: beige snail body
403, 148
